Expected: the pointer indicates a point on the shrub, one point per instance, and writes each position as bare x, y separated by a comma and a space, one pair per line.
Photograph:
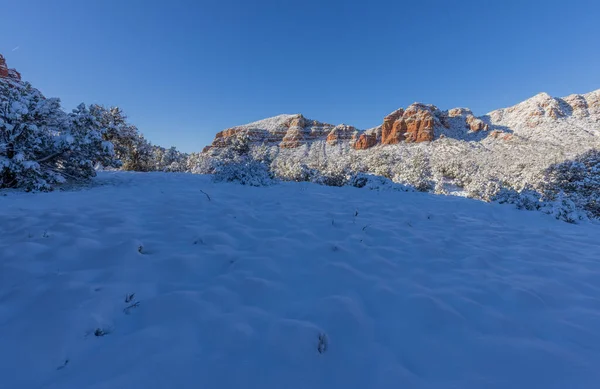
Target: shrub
575, 183
41, 146
245, 171
373, 182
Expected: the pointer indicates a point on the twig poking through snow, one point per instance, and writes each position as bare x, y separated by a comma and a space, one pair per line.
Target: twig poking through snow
134, 305
207, 196
129, 297
63, 365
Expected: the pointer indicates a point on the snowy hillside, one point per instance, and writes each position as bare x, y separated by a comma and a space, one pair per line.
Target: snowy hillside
154, 280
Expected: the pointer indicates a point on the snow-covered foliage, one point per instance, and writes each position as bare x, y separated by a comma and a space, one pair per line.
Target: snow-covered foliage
200, 163
241, 166
575, 183
489, 170
169, 160
41, 145
501, 156
131, 148
373, 182
245, 171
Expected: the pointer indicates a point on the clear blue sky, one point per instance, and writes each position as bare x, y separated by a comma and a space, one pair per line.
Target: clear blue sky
183, 70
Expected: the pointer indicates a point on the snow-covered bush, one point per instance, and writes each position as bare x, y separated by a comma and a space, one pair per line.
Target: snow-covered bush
415, 171
562, 207
41, 146
373, 182
575, 183
245, 171
236, 164
527, 199
333, 175
200, 163
131, 148
168, 160
289, 170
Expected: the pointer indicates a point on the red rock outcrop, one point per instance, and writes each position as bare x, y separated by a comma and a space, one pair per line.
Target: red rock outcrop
342, 133
463, 118
476, 124
5, 72
365, 141
391, 131
292, 139
419, 121
455, 112
416, 124
286, 131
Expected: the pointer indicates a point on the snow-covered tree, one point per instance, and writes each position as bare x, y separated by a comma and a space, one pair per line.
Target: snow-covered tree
169, 160
131, 148
575, 183
40, 145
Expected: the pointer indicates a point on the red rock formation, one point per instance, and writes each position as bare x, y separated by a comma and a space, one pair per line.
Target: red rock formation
293, 138
419, 121
392, 131
223, 138
476, 124
416, 124
365, 141
462, 118
286, 131
5, 72
454, 112
341, 133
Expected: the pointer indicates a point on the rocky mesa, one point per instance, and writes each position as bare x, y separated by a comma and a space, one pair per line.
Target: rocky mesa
419, 123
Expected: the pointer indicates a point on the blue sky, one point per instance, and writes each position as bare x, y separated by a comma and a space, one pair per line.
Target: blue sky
183, 70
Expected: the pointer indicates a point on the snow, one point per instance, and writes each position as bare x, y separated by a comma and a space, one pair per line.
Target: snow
242, 286
543, 118
269, 124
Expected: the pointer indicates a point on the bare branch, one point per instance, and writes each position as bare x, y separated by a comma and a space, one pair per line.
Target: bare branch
207, 196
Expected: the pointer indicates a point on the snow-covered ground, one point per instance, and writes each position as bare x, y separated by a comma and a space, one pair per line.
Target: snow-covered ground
396, 290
